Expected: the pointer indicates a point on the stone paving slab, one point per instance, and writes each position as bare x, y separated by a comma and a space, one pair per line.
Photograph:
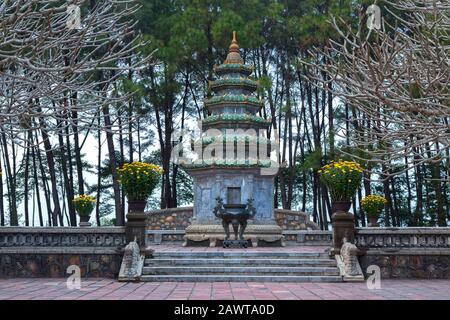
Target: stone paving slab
110, 289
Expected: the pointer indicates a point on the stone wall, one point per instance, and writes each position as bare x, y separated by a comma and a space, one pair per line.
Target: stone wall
169, 219
413, 265
180, 218
54, 265
294, 220
406, 252
48, 252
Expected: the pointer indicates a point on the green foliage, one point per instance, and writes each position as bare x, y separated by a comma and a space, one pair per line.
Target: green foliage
106, 222
265, 84
313, 160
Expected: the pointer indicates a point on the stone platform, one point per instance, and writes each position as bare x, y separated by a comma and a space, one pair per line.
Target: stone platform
211, 264
256, 234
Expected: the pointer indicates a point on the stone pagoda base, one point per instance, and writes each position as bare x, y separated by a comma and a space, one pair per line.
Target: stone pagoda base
258, 234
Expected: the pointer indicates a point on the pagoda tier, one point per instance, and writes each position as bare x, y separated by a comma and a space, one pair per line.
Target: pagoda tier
235, 121
233, 104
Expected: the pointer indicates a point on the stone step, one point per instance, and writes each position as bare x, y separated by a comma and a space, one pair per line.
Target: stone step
240, 261
326, 271
239, 254
238, 278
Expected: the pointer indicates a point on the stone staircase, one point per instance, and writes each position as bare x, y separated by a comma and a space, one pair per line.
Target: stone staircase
260, 266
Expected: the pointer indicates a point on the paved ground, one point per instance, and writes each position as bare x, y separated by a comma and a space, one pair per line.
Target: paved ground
109, 289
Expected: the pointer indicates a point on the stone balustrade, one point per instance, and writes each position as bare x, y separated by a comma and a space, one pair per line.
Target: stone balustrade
396, 238
74, 237
414, 252
49, 251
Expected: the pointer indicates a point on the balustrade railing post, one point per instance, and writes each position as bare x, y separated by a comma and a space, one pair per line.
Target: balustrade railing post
135, 228
343, 226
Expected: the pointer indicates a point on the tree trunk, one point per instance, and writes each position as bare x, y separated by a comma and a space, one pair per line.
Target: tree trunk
69, 190
120, 218
78, 162
45, 185
2, 207
36, 185
56, 214
26, 180
417, 221
11, 183
122, 160
99, 176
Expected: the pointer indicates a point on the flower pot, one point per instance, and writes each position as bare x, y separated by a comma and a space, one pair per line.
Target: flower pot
136, 205
84, 220
373, 222
340, 206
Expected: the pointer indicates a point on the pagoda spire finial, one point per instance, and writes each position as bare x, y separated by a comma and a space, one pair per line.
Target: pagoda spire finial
233, 51
234, 47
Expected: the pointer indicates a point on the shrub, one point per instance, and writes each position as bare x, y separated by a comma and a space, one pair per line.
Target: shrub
373, 204
139, 179
342, 179
84, 204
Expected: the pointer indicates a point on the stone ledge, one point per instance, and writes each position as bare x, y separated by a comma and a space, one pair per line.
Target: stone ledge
165, 232
407, 252
308, 232
169, 210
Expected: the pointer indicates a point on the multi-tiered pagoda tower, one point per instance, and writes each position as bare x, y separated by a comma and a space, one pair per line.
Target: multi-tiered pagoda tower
234, 163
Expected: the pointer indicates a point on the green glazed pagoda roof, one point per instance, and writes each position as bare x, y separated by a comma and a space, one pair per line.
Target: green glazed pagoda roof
234, 82
234, 99
233, 68
216, 118
235, 138
236, 163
